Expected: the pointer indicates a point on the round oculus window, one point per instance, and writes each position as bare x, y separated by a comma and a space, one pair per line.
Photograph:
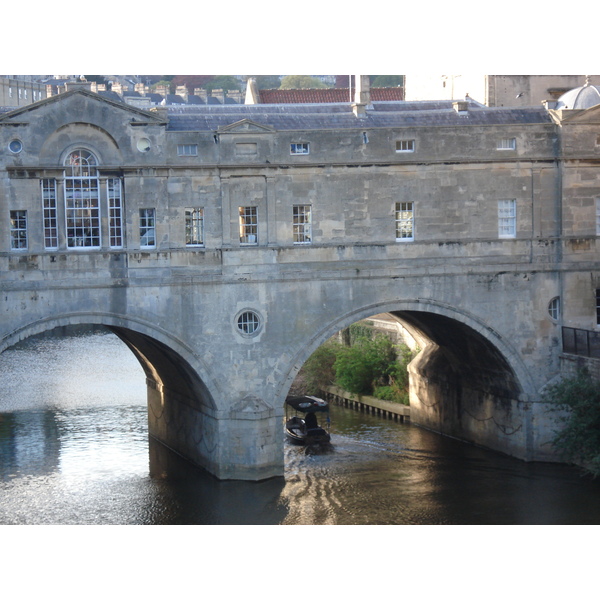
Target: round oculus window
15, 146
143, 145
248, 323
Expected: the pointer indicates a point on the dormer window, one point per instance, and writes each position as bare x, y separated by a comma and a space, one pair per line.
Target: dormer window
507, 144
299, 148
405, 146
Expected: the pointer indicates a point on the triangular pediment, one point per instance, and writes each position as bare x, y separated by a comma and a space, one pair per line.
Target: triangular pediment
24, 114
246, 126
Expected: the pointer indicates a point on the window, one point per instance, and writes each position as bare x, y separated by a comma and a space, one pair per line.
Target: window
82, 207
507, 144
404, 221
405, 146
554, 308
299, 148
597, 216
49, 213
115, 212
147, 228
187, 150
18, 229
507, 218
248, 225
248, 323
302, 224
194, 226
597, 306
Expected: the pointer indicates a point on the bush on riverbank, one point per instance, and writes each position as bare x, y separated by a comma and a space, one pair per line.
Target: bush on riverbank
577, 402
371, 366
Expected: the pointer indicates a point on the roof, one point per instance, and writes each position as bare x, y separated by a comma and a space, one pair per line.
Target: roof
330, 116
307, 404
579, 98
325, 95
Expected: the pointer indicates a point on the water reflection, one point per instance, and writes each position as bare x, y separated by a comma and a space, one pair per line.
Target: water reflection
76, 451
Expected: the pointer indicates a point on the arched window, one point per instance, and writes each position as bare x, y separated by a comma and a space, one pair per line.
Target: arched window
82, 200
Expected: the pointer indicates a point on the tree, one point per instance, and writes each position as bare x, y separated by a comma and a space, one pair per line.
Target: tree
267, 82
222, 82
577, 401
298, 82
388, 81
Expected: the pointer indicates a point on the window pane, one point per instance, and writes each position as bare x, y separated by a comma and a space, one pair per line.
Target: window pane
18, 229
82, 200
302, 224
507, 218
194, 226
49, 213
248, 225
115, 213
147, 228
404, 221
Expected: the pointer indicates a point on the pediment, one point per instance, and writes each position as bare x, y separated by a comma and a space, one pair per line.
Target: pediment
25, 114
246, 126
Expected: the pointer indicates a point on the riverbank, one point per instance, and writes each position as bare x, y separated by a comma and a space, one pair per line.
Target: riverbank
367, 404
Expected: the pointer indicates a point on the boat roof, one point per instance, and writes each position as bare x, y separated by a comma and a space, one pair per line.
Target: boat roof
307, 404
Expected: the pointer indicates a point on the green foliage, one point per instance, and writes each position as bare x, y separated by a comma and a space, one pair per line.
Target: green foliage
577, 400
268, 82
318, 371
223, 82
360, 367
388, 81
298, 82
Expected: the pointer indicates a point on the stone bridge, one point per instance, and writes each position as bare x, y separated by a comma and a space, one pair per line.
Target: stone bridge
236, 257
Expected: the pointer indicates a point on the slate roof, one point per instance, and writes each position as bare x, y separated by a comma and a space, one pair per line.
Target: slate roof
340, 116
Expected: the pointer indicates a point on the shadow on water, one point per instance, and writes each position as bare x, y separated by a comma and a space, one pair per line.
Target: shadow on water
192, 496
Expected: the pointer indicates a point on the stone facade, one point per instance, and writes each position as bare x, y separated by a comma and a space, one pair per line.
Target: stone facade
224, 244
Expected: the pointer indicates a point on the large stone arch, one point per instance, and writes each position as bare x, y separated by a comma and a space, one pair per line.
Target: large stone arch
182, 392
468, 382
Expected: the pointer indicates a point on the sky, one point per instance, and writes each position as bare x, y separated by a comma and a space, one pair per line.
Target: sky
266, 37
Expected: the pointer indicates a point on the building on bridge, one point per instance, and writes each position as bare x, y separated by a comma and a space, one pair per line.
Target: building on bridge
224, 244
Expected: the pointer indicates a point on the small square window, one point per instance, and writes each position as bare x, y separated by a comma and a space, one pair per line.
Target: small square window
299, 148
507, 144
405, 146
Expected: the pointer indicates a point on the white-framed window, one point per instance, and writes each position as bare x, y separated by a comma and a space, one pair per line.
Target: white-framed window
405, 221
147, 228
597, 216
302, 224
187, 150
299, 148
248, 225
194, 227
554, 308
82, 200
49, 213
405, 146
115, 212
507, 218
507, 144
18, 229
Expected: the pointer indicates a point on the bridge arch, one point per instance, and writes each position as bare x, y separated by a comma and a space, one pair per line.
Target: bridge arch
167, 362
468, 381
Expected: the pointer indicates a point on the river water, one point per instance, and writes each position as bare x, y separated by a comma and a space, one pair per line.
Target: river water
74, 449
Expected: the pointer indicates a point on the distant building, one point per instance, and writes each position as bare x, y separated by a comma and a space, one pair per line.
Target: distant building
493, 90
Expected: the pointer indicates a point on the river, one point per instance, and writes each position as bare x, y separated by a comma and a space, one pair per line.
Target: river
74, 449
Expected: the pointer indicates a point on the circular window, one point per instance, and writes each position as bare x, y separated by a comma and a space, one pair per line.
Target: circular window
15, 146
248, 323
554, 308
143, 145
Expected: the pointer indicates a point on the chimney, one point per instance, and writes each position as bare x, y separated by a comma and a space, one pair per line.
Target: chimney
362, 95
252, 95
461, 106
